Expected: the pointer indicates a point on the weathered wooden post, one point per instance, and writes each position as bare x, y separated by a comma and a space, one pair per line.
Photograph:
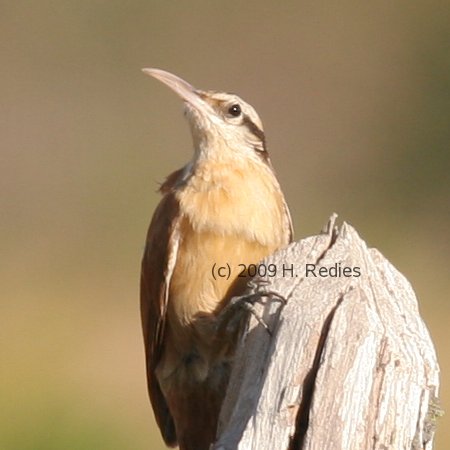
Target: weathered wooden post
349, 363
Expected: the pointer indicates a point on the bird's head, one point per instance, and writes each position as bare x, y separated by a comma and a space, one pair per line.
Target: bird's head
222, 124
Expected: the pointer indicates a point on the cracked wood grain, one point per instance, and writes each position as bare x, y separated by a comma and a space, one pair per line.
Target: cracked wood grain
349, 363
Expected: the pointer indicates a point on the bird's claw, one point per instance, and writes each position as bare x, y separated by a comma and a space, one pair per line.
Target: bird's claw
246, 303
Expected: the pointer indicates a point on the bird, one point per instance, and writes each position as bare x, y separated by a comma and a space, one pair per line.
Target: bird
224, 208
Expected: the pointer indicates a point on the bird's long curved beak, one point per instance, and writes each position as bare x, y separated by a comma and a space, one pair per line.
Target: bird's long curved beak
187, 92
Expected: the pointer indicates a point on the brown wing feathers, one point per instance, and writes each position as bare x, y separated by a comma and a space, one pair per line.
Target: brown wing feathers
155, 276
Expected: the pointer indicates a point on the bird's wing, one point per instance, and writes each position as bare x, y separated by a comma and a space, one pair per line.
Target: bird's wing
289, 225
157, 267
289, 221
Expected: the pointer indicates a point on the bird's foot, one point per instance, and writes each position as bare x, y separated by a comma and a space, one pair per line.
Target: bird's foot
233, 315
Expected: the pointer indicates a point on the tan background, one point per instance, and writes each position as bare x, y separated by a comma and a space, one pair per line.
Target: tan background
354, 98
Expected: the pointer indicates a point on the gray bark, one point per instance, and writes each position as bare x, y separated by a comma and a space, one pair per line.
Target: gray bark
347, 362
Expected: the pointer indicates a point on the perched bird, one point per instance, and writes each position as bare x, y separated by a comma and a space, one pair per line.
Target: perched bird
224, 208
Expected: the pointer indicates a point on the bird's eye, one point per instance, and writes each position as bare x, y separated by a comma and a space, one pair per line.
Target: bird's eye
234, 110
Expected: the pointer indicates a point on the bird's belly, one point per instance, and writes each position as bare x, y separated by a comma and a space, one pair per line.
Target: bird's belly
205, 277
207, 272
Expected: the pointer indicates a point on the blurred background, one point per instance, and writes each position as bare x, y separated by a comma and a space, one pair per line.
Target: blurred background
354, 98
